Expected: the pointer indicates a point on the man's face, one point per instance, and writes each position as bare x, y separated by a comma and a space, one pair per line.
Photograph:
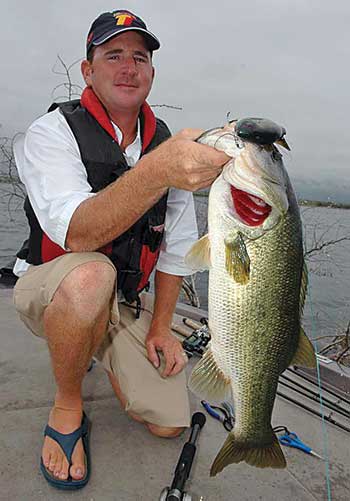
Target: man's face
121, 72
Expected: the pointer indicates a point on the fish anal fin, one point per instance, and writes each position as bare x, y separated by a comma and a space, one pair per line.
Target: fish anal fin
234, 451
208, 381
305, 353
198, 257
237, 260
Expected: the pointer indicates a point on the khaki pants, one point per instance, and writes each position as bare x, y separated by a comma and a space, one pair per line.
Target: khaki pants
161, 401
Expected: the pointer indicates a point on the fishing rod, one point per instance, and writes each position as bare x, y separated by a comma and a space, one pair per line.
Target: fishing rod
176, 491
311, 391
312, 381
327, 403
318, 414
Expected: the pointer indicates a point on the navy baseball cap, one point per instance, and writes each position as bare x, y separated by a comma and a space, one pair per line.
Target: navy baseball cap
110, 24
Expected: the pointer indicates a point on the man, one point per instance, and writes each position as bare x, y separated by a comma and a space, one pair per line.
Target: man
103, 180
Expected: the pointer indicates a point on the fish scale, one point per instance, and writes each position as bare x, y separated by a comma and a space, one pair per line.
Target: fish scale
255, 325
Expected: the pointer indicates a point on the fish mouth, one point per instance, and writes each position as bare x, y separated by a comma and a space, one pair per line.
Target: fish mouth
250, 209
259, 175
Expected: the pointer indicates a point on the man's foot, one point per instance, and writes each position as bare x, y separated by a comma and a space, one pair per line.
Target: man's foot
54, 459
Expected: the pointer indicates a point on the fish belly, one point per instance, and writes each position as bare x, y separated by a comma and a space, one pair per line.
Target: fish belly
255, 327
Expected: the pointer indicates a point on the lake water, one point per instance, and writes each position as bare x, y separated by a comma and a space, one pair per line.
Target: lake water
327, 310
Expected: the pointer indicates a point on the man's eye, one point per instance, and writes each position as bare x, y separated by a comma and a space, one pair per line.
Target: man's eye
139, 59
114, 57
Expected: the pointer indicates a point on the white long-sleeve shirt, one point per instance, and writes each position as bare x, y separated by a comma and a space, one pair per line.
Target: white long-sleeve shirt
50, 166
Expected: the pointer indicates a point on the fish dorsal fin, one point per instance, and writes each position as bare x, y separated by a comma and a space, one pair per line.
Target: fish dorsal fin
237, 260
305, 353
198, 257
303, 288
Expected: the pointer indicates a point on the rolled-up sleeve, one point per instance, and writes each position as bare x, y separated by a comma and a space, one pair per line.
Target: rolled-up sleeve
50, 166
180, 233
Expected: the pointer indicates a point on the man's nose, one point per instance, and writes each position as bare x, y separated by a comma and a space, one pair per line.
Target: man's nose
129, 65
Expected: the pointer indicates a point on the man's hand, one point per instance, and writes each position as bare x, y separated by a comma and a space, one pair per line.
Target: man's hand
182, 163
179, 162
161, 339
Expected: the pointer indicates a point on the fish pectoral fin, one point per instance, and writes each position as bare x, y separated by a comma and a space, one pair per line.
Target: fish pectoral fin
237, 260
235, 451
198, 257
208, 381
305, 353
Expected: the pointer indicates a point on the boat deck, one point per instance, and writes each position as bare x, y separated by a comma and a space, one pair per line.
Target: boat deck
129, 464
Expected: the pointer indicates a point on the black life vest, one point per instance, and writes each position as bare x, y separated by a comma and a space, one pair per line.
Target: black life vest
136, 251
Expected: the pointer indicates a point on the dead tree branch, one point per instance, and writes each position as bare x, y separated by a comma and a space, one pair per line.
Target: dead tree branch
339, 347
328, 243
11, 186
172, 107
72, 89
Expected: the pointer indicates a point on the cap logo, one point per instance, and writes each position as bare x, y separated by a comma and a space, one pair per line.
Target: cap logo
123, 18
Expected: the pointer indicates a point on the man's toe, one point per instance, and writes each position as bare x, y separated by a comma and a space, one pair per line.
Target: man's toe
64, 470
46, 458
52, 463
58, 467
77, 471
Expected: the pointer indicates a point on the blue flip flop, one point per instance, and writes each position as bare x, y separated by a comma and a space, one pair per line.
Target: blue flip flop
67, 443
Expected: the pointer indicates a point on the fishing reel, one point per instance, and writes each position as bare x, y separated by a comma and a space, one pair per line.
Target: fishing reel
174, 495
196, 343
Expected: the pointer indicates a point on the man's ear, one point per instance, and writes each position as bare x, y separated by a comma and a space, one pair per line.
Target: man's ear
153, 73
86, 71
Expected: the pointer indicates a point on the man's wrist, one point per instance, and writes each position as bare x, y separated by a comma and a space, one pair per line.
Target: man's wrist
153, 172
160, 326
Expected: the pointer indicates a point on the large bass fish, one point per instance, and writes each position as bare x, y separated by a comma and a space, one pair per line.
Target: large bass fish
257, 287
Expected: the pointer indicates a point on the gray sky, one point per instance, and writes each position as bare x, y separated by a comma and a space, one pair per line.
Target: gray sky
288, 60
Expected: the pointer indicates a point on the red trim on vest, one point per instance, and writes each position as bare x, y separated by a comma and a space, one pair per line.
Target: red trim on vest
50, 250
252, 214
90, 101
106, 249
148, 261
150, 125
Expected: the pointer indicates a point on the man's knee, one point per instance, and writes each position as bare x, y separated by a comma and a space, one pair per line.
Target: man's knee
87, 289
165, 431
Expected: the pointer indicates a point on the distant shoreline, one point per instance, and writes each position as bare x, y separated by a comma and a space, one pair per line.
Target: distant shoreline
320, 203
302, 202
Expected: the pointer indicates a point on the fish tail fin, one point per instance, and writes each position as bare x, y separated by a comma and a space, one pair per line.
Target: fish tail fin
235, 451
208, 380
